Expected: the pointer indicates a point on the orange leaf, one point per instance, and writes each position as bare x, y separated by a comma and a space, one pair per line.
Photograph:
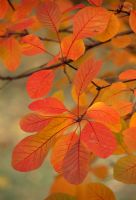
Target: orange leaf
40, 83
31, 151
121, 41
76, 163
10, 53
90, 21
128, 74
130, 138
133, 120
34, 122
106, 115
99, 139
22, 24
3, 8
49, 14
72, 49
48, 105
132, 20
61, 149
85, 74
96, 2
125, 169
31, 45
100, 171
98, 191
123, 107
60, 196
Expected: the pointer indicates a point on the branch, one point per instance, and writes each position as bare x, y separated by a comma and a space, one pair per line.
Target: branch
11, 5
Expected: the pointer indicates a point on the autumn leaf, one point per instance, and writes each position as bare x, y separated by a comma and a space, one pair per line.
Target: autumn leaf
49, 14
34, 122
31, 45
49, 105
40, 83
10, 53
125, 169
132, 19
85, 74
3, 8
60, 196
128, 74
99, 139
90, 21
96, 2
72, 49
30, 153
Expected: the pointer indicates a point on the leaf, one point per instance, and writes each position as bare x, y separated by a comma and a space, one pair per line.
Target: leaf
96, 2
106, 115
125, 169
132, 20
123, 107
133, 120
111, 30
99, 139
60, 150
67, 187
98, 191
121, 41
31, 45
100, 171
40, 83
85, 74
3, 8
90, 21
22, 24
129, 136
10, 53
34, 122
31, 151
76, 163
60, 196
48, 105
128, 74
72, 49
49, 14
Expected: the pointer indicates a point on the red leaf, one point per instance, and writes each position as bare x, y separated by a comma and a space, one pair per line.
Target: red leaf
90, 21
85, 74
49, 14
3, 8
40, 83
99, 139
31, 45
31, 151
96, 2
76, 163
22, 24
128, 74
60, 150
34, 122
48, 105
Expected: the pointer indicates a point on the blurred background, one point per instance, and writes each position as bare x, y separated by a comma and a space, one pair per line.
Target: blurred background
13, 106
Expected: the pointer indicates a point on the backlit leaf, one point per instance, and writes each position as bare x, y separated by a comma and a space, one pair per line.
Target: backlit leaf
60, 196
49, 14
34, 122
111, 30
72, 49
3, 8
40, 83
31, 45
96, 2
133, 120
90, 21
132, 20
129, 136
98, 191
48, 105
76, 163
125, 169
128, 74
10, 53
99, 139
31, 151
106, 115
85, 74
